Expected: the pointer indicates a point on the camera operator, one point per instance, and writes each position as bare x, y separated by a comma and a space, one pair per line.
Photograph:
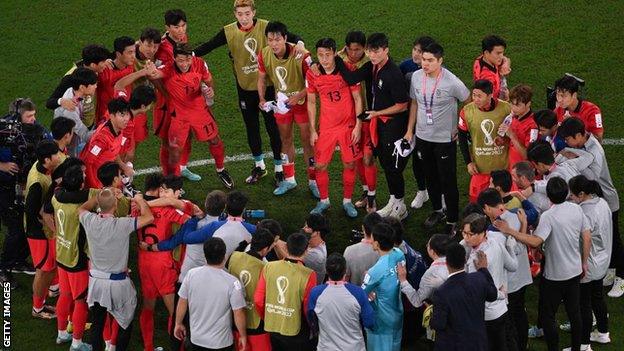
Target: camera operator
19, 133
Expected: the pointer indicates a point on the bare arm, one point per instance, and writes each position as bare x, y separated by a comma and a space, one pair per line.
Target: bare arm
261, 87
389, 111
89, 205
411, 123
240, 320
531, 240
180, 329
146, 216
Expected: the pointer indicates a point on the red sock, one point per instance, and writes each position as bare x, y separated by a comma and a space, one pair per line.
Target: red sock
289, 170
63, 305
322, 181
146, 323
371, 177
38, 301
164, 159
348, 182
79, 318
186, 152
359, 165
218, 153
114, 331
311, 173
106, 331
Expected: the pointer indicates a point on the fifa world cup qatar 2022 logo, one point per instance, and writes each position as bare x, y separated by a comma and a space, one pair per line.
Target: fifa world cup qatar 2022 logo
282, 286
281, 73
251, 45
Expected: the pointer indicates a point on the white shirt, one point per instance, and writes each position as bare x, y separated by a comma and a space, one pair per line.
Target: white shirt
433, 277
599, 216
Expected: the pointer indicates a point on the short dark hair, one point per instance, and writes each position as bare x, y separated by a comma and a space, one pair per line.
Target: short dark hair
174, 16
438, 243
83, 76
489, 197
143, 95
121, 43
502, 178
377, 41
357, 37
61, 126
580, 183
521, 93
59, 172
545, 118
318, 223
182, 49
214, 250
326, 43
215, 203
397, 228
488, 43
73, 178
335, 266
456, 256
484, 85
567, 83
107, 173
384, 235
271, 225
173, 182
276, 27
541, 151
261, 239
153, 181
478, 223
471, 208
524, 169
370, 221
297, 244
118, 105
93, 53
46, 149
150, 34
557, 190
434, 49
235, 203
570, 127
423, 41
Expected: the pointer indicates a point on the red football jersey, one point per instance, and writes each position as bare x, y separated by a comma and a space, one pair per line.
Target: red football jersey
161, 229
588, 112
186, 99
165, 50
526, 130
483, 70
104, 145
337, 110
106, 88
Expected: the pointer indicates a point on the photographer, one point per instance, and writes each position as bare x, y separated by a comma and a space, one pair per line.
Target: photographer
19, 133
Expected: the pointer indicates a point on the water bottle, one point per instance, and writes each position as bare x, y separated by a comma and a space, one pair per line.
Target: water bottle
504, 127
209, 100
254, 214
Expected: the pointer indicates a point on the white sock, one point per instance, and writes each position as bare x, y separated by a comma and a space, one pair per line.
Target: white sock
372, 192
220, 169
278, 168
38, 309
76, 343
260, 164
63, 333
364, 187
311, 181
398, 201
326, 201
291, 179
392, 199
182, 167
345, 201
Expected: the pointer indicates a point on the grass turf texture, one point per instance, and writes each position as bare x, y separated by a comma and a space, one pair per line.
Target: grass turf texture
41, 39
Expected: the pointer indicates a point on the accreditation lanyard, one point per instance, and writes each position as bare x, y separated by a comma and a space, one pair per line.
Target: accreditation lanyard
429, 104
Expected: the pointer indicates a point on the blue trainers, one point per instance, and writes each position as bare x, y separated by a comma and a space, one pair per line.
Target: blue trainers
83, 347
193, 177
314, 190
320, 207
350, 209
63, 339
535, 332
283, 187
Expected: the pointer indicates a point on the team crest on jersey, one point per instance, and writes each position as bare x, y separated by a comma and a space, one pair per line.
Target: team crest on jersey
533, 135
95, 150
598, 118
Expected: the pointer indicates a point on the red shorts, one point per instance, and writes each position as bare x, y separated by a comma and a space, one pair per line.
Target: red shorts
158, 277
366, 142
140, 127
43, 253
161, 118
75, 283
326, 144
297, 113
260, 342
180, 131
478, 183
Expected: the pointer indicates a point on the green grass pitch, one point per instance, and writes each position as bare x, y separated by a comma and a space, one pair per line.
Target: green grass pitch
40, 39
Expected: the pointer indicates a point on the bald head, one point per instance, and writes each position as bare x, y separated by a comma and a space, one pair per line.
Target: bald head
107, 202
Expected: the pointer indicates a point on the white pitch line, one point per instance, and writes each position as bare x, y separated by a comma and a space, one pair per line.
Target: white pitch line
299, 151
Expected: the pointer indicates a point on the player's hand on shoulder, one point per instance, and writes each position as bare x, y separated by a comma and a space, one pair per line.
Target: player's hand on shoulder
143, 245
68, 104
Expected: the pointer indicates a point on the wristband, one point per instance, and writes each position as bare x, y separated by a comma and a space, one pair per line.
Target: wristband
149, 247
59, 101
362, 116
301, 43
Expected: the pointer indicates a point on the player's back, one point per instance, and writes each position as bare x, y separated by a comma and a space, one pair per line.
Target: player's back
159, 230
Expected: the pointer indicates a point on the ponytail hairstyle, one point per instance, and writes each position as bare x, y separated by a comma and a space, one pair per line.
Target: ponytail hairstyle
580, 184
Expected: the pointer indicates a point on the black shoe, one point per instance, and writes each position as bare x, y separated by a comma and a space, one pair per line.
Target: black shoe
450, 229
7, 277
226, 179
256, 174
23, 267
434, 218
363, 201
279, 177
